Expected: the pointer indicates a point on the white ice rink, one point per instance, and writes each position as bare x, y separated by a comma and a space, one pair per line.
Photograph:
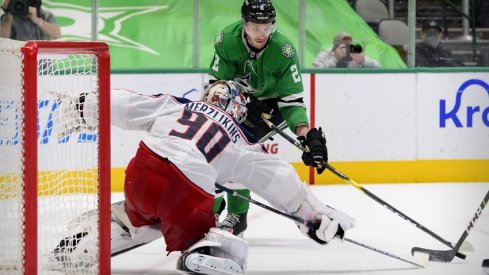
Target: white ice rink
277, 246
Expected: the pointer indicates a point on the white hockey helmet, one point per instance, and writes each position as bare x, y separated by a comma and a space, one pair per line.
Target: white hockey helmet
229, 97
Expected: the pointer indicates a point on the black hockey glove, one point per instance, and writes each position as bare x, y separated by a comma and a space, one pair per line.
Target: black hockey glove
257, 110
318, 153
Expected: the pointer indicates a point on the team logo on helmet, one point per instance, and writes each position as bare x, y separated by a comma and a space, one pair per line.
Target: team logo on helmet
288, 50
219, 39
258, 11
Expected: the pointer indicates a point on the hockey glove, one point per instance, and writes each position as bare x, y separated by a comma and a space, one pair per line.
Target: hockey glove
257, 111
72, 116
318, 153
323, 222
324, 227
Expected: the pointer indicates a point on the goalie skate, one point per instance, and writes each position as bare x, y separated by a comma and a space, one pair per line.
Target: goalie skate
219, 252
206, 264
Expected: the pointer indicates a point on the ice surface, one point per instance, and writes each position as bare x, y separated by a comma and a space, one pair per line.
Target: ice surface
277, 246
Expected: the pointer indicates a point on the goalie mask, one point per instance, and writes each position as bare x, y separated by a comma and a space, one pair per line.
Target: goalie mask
228, 97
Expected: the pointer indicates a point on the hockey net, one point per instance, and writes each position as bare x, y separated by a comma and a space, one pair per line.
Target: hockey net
54, 182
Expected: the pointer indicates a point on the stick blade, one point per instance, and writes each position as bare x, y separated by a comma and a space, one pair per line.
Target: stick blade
444, 256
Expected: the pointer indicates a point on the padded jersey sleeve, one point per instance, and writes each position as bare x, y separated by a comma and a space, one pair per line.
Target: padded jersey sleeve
133, 111
289, 84
227, 50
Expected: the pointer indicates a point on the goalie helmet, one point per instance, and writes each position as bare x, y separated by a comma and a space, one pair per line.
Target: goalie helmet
258, 11
229, 97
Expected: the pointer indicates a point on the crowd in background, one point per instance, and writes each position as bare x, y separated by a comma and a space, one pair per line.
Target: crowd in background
342, 51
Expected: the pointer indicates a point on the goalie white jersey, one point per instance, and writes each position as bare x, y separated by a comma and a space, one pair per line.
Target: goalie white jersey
189, 147
206, 145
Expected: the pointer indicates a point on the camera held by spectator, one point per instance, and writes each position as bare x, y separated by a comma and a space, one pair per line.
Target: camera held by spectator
356, 48
21, 7
25, 20
350, 48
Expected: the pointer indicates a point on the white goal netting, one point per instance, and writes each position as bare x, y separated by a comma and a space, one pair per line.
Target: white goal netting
67, 181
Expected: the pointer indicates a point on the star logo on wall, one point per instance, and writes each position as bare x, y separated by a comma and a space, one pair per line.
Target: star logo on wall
109, 23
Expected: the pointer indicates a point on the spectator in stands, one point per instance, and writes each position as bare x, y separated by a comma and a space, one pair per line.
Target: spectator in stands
344, 54
431, 52
24, 23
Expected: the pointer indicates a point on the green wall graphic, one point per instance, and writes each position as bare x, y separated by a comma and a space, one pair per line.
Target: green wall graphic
163, 34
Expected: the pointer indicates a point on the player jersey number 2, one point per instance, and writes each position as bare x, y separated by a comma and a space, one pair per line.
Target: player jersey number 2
213, 140
295, 73
215, 65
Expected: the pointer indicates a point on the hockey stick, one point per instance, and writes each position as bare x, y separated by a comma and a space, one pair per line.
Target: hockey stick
365, 191
310, 225
447, 255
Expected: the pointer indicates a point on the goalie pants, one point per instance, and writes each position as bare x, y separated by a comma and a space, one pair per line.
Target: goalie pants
157, 192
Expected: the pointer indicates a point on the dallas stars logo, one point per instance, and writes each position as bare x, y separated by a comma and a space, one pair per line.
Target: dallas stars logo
288, 50
245, 81
218, 39
109, 23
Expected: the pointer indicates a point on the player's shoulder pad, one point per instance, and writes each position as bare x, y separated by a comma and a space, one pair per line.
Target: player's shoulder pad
181, 100
229, 36
283, 45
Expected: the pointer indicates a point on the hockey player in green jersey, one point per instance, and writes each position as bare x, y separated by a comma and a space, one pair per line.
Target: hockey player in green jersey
253, 53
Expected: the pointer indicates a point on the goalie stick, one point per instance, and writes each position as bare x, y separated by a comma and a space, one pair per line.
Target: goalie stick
311, 226
367, 192
447, 255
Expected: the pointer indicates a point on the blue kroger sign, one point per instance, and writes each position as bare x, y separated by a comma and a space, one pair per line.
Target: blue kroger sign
9, 115
473, 112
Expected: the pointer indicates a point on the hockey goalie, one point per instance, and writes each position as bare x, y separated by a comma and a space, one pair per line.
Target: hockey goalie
170, 183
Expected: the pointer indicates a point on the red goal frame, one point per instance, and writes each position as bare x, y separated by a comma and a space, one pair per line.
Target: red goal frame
30, 51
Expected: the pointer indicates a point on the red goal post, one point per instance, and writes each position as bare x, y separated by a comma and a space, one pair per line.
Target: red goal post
52, 181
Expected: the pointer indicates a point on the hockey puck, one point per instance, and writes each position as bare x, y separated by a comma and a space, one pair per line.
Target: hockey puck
421, 258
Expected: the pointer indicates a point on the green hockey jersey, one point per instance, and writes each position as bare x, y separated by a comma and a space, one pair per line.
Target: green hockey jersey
273, 73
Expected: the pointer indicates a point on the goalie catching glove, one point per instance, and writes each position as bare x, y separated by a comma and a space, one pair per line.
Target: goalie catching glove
323, 223
73, 115
318, 153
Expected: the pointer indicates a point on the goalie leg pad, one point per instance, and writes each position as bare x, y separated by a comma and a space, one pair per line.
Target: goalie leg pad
118, 215
120, 239
144, 234
124, 235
